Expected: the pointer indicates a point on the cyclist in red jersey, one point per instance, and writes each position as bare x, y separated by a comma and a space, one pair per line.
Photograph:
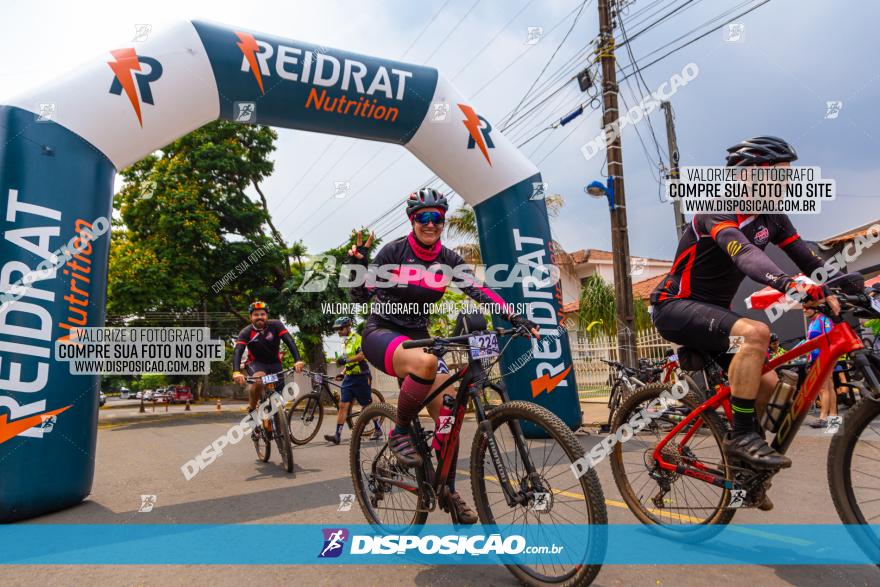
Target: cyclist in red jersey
262, 340
691, 306
413, 262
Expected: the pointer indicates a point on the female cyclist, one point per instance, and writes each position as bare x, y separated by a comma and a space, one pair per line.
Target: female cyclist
409, 278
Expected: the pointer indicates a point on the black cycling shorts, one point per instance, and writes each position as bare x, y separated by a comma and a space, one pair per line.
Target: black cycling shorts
266, 369
698, 325
381, 338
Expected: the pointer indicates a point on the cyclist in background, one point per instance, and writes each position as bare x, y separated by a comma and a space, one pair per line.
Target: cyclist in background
357, 383
262, 339
691, 306
411, 259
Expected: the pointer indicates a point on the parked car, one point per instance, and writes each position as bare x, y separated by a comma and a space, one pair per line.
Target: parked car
148, 395
102, 399
125, 393
179, 393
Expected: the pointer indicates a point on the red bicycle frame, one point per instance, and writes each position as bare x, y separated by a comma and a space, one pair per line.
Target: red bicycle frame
832, 345
669, 369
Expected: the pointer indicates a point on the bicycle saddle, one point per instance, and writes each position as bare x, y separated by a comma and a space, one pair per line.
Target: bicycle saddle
693, 359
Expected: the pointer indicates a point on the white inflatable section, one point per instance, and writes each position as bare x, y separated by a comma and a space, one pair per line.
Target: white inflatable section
184, 98
439, 144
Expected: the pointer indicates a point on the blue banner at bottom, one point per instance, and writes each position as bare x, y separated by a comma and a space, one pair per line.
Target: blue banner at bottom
281, 544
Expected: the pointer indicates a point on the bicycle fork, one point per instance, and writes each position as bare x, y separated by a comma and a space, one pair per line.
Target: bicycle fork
524, 494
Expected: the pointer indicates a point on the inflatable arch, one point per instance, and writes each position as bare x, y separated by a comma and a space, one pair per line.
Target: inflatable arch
61, 144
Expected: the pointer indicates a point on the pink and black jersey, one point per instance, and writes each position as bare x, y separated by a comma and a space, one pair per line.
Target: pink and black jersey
408, 274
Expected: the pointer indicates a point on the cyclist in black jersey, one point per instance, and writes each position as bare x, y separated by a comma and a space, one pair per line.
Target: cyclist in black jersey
262, 339
691, 305
409, 265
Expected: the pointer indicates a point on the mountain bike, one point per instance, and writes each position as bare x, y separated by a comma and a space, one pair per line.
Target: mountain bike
307, 412
626, 381
674, 473
277, 430
516, 479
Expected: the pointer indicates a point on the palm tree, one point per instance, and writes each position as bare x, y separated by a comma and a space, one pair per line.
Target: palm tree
462, 225
597, 313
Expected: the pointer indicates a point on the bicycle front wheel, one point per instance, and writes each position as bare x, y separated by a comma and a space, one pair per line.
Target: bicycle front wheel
390, 495
262, 444
304, 418
852, 474
356, 409
540, 473
282, 439
673, 504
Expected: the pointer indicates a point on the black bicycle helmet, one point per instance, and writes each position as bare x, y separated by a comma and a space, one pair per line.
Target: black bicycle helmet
774, 337
425, 198
341, 322
760, 151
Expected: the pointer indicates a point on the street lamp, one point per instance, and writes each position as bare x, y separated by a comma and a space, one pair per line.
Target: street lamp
598, 190
623, 295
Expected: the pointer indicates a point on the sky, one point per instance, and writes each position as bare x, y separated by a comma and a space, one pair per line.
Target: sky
794, 57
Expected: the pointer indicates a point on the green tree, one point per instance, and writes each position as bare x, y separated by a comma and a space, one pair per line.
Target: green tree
186, 221
597, 312
461, 226
308, 309
152, 380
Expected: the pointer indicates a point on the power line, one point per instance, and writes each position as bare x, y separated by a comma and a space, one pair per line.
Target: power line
641, 96
653, 24
424, 28
435, 178
695, 39
490, 41
552, 56
455, 28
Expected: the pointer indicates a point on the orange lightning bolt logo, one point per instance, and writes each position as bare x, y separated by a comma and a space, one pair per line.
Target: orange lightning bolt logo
11, 429
472, 122
547, 383
126, 62
249, 49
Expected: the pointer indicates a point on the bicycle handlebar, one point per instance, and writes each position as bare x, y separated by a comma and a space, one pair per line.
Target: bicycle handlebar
463, 339
260, 378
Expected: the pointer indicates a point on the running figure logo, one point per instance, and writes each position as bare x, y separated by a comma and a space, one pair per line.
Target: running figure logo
346, 500
334, 540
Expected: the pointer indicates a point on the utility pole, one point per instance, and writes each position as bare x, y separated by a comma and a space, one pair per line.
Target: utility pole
625, 316
672, 142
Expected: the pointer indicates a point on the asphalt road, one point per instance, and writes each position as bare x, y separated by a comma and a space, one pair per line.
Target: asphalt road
142, 455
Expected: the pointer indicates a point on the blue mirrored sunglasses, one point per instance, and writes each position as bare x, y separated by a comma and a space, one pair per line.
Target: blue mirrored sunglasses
426, 217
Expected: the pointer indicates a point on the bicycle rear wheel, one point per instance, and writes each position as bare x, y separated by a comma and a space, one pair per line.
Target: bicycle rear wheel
282, 439
390, 495
674, 505
852, 474
304, 418
553, 496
